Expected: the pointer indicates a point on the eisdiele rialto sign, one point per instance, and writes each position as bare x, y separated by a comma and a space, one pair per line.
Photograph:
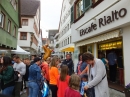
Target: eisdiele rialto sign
115, 15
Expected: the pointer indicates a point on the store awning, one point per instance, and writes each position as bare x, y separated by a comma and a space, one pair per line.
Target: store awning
68, 49
99, 38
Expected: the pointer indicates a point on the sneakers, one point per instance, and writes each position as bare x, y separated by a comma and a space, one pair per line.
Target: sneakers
24, 91
21, 92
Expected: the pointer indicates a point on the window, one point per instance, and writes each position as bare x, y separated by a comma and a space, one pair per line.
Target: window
96, 2
23, 35
68, 26
14, 31
62, 44
8, 25
2, 20
14, 4
68, 40
79, 9
25, 22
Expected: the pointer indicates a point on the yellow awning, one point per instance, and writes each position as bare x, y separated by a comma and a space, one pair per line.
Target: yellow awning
68, 49
99, 38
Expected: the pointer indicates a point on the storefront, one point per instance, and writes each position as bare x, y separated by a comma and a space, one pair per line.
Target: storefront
105, 31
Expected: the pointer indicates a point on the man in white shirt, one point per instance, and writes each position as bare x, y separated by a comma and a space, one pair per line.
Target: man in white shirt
20, 67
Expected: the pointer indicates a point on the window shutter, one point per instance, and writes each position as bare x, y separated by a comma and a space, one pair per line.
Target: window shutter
87, 4
72, 14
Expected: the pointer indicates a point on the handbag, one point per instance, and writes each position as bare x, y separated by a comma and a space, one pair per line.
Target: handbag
15, 76
91, 92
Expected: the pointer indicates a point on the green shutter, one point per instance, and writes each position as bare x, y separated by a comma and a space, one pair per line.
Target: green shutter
72, 14
87, 4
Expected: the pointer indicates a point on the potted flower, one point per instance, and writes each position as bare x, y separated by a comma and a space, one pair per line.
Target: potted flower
127, 90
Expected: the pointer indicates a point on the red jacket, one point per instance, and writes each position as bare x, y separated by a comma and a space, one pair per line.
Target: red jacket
45, 70
71, 93
62, 85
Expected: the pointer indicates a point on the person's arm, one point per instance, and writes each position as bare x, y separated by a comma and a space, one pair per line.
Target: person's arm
39, 76
8, 74
77, 68
85, 70
23, 69
99, 75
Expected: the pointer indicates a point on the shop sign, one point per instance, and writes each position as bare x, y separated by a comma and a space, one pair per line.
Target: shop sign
115, 15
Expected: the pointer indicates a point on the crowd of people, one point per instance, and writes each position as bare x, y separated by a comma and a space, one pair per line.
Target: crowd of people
89, 80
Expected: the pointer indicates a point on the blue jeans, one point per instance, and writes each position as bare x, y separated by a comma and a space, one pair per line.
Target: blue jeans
33, 89
8, 90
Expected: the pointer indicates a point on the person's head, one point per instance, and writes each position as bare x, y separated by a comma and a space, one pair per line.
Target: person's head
6, 61
33, 57
85, 78
80, 57
68, 56
48, 60
27, 61
100, 55
88, 58
54, 62
37, 60
16, 58
74, 82
64, 72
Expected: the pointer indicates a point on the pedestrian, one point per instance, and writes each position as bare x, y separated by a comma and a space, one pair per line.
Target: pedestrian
34, 78
63, 81
81, 65
97, 78
121, 68
69, 62
53, 73
20, 68
112, 61
84, 82
104, 60
6, 76
73, 89
32, 61
27, 63
45, 69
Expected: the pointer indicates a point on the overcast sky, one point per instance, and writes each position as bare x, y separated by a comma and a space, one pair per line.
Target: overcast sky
50, 15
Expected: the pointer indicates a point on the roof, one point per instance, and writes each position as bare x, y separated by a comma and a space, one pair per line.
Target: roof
29, 7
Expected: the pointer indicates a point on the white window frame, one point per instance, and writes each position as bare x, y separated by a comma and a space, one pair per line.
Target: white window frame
2, 19
8, 25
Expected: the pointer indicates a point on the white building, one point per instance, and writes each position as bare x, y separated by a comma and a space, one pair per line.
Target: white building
100, 26
65, 43
29, 35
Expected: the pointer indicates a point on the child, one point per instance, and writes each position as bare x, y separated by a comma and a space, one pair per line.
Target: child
84, 83
72, 90
63, 81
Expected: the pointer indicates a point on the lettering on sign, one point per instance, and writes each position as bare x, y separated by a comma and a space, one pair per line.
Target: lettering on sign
115, 15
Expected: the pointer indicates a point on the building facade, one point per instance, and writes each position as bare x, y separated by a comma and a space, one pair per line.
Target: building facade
30, 33
65, 43
51, 34
9, 23
100, 26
